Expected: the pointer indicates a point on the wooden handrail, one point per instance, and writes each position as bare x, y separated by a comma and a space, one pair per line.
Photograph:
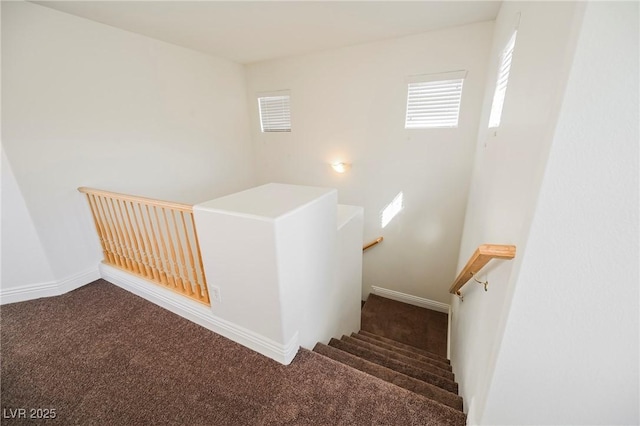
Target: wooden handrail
154, 239
372, 243
481, 257
136, 199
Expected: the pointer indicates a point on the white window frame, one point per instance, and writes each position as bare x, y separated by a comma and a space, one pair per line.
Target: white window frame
280, 120
427, 110
502, 81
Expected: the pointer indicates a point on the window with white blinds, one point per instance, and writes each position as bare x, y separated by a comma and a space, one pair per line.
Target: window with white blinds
275, 113
501, 84
434, 101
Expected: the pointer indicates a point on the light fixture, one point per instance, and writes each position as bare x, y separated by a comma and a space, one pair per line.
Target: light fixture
341, 167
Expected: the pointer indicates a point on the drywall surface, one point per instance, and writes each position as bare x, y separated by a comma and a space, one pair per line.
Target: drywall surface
345, 294
349, 105
85, 104
570, 350
508, 169
274, 262
23, 259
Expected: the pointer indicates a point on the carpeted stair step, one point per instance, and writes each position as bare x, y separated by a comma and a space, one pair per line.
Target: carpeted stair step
405, 346
405, 352
395, 365
418, 386
400, 357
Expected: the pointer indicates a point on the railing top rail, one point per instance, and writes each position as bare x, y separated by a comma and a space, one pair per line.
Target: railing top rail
483, 254
137, 199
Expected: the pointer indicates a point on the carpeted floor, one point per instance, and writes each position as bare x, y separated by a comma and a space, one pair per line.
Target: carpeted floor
391, 319
100, 355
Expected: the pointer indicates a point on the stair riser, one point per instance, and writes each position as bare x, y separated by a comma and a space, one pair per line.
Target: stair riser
395, 365
403, 358
400, 345
425, 389
413, 355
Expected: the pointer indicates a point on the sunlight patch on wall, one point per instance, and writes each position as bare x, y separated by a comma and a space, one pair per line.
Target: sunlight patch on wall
392, 209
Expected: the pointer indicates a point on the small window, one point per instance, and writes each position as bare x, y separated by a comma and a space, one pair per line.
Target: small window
434, 101
501, 84
275, 113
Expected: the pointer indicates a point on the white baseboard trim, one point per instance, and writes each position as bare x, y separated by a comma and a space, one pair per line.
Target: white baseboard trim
411, 300
201, 315
49, 288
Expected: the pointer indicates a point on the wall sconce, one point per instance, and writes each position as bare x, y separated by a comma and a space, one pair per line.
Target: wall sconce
341, 167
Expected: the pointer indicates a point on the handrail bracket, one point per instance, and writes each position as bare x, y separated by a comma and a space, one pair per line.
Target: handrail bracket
477, 261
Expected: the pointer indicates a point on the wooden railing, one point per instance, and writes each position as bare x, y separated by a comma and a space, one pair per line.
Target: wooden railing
153, 239
372, 243
481, 257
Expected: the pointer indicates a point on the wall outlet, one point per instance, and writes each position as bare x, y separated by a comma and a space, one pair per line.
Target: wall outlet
215, 293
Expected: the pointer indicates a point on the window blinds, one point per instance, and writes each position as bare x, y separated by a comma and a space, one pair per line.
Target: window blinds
434, 103
275, 113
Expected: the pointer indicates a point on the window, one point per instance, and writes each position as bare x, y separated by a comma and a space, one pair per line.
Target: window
434, 101
501, 84
275, 113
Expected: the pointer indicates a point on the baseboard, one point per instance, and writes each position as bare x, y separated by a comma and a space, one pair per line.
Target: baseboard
411, 300
48, 289
201, 315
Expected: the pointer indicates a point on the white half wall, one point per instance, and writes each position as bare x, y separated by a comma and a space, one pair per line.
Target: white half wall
505, 183
270, 254
569, 355
349, 104
85, 104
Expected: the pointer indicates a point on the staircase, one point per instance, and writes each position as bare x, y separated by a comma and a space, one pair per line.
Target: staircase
418, 370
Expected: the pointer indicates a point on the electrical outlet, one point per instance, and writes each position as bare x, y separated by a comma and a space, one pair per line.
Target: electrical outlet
215, 293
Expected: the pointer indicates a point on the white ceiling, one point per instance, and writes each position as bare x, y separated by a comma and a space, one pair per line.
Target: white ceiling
252, 31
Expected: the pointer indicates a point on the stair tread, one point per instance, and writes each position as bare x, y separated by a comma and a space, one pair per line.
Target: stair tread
422, 358
427, 390
401, 357
405, 346
396, 365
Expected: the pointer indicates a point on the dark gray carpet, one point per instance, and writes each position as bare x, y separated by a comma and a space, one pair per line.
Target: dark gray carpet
100, 355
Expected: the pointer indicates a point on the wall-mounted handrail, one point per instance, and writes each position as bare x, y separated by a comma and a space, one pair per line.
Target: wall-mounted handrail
372, 243
153, 239
481, 257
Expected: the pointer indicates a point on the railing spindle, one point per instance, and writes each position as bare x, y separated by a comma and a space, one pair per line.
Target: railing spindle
144, 246
130, 236
184, 272
142, 250
154, 252
165, 259
203, 287
192, 262
100, 229
176, 271
126, 250
122, 261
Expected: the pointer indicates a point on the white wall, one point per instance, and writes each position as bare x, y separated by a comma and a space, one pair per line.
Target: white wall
349, 104
88, 104
570, 349
24, 261
508, 169
343, 312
